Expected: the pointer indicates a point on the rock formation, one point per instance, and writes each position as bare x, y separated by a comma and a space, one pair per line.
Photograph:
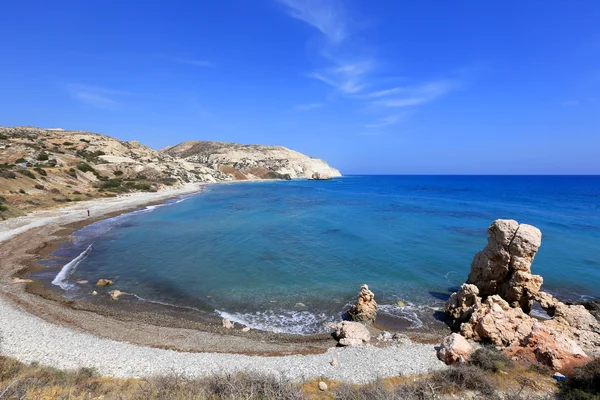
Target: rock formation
227, 324
317, 176
365, 309
350, 333
104, 282
455, 349
504, 265
494, 305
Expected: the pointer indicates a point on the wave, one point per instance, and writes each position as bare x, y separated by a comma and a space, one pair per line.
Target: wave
284, 321
65, 273
407, 312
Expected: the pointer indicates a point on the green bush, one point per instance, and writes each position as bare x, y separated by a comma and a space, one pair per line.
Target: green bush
27, 173
118, 173
43, 157
67, 144
40, 171
490, 359
72, 172
83, 167
84, 140
20, 161
39, 187
3, 137
583, 384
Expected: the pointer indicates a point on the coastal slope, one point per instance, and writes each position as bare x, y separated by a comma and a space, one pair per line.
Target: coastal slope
252, 161
45, 168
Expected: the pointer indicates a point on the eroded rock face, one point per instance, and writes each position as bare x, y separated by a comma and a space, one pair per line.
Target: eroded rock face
503, 267
350, 333
455, 349
493, 307
365, 309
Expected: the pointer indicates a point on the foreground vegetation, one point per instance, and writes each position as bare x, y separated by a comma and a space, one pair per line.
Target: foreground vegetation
490, 376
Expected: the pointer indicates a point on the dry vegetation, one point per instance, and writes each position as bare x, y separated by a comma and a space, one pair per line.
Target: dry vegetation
494, 377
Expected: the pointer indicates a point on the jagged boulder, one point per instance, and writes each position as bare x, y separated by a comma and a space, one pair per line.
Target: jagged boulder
461, 305
350, 333
317, 176
365, 309
494, 305
503, 267
455, 349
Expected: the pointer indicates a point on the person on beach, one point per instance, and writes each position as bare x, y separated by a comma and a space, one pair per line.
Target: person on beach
88, 213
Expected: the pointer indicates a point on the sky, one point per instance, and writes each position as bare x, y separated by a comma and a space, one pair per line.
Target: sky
371, 86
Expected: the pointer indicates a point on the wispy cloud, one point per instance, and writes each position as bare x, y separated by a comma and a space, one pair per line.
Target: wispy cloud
414, 95
328, 16
197, 63
308, 107
385, 122
95, 96
349, 68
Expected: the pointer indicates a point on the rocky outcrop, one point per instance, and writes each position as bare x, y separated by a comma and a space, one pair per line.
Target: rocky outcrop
494, 305
350, 333
252, 161
104, 282
504, 265
319, 177
365, 309
227, 324
455, 349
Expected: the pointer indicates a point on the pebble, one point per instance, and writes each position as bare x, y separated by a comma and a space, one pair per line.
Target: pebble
246, 329
322, 386
334, 363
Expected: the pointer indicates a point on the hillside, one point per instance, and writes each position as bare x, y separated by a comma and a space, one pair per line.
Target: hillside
44, 168
251, 161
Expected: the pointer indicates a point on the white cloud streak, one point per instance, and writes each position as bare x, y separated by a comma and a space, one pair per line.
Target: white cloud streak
327, 16
414, 95
95, 96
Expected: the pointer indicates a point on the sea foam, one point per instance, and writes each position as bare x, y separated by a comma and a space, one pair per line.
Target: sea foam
65, 273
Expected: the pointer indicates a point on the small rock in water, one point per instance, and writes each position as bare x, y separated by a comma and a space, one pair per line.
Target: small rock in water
400, 303
104, 282
94, 293
334, 363
322, 386
300, 305
227, 324
82, 282
114, 295
385, 336
246, 329
272, 301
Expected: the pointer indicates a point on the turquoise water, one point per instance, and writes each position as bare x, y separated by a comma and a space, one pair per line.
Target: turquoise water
290, 256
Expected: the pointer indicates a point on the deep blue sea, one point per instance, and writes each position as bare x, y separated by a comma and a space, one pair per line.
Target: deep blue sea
290, 256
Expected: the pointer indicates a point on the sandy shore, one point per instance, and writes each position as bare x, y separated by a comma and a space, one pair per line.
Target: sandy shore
40, 325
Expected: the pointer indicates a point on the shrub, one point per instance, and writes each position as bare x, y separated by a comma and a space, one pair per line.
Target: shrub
20, 161
8, 175
55, 191
27, 173
83, 167
22, 191
67, 144
583, 384
40, 171
3, 137
118, 173
77, 192
72, 172
490, 359
42, 157
39, 187
463, 377
111, 183
84, 140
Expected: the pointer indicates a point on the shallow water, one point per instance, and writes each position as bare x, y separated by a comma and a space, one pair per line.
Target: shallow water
290, 256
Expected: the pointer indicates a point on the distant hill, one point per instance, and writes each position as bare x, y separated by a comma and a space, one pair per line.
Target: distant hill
43, 168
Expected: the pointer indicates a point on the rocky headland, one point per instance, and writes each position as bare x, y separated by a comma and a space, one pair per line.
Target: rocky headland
46, 168
494, 307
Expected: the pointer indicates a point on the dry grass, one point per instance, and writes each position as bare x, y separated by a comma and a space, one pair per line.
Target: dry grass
20, 381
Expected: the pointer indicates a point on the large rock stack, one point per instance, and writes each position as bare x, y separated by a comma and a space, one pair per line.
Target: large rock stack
365, 309
494, 305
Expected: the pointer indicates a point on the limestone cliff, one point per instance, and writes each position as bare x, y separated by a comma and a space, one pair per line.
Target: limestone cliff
251, 161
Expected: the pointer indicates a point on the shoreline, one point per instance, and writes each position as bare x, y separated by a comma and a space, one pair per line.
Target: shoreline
25, 240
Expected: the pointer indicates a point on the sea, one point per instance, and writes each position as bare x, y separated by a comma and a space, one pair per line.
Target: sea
290, 256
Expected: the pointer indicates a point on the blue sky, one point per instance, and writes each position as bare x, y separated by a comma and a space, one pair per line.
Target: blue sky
386, 86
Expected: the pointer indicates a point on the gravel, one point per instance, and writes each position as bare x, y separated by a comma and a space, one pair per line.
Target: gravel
31, 339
